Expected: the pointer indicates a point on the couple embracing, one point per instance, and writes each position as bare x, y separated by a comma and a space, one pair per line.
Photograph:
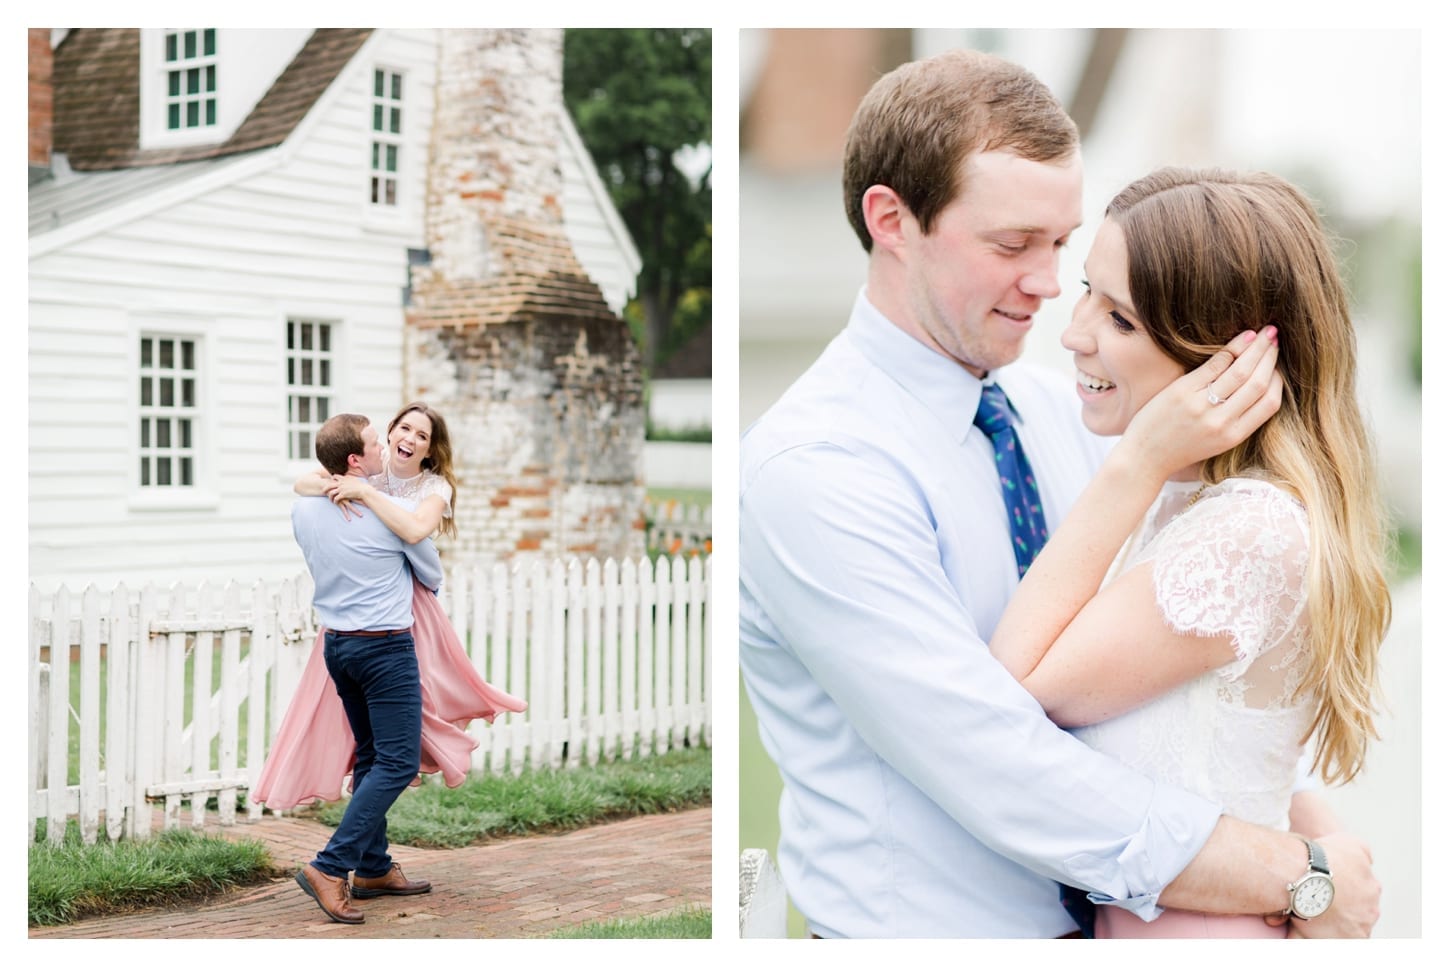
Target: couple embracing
1123, 730
388, 690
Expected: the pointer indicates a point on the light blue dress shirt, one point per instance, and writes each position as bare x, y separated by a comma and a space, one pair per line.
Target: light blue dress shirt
360, 569
926, 793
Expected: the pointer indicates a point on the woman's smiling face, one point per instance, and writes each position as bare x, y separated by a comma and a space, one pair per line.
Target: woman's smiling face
1119, 367
408, 443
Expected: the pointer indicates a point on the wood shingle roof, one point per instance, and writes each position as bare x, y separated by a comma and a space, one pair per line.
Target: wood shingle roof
97, 97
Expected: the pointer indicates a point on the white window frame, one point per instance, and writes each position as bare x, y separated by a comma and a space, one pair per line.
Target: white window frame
200, 493
156, 96
312, 376
386, 108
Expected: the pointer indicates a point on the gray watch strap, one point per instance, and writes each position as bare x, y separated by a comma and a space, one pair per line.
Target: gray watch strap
1317, 860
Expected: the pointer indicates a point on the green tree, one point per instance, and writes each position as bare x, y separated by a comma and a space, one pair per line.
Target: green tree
639, 97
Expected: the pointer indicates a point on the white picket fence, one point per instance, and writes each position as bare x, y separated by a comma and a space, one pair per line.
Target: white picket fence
675, 527
171, 695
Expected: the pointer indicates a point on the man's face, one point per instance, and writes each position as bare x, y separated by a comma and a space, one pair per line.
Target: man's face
977, 280
372, 455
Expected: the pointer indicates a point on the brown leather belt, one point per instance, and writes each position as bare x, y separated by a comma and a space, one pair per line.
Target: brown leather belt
369, 634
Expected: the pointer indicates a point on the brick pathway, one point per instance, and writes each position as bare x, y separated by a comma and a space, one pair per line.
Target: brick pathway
515, 888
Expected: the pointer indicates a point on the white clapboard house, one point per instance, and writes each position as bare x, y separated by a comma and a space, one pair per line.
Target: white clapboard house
221, 227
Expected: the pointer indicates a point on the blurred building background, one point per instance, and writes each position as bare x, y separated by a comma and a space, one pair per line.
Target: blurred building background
1335, 111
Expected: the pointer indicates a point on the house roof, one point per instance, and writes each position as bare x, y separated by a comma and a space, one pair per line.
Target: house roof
97, 83
56, 202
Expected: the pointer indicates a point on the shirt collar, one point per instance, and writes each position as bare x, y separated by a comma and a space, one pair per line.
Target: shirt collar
941, 384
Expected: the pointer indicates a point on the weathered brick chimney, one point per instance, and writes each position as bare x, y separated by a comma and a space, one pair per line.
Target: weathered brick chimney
41, 98
507, 336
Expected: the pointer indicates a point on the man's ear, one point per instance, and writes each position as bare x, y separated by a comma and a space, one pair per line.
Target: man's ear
887, 217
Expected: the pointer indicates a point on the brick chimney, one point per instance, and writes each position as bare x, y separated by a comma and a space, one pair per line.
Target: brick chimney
507, 336
41, 97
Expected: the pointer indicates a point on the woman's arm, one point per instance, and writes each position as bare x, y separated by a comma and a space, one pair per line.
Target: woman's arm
1311, 816
412, 526
317, 483
1117, 653
314, 483
1177, 428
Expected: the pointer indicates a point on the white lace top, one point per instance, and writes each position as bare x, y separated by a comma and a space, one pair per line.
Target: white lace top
1235, 563
417, 487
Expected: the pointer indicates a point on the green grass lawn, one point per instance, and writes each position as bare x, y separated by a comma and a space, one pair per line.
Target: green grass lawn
692, 923
72, 880
542, 800
684, 495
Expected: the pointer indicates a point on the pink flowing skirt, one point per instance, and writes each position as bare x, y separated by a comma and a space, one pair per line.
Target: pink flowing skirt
314, 748
1115, 924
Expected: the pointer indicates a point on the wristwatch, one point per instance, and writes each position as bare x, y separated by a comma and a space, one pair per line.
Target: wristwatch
1312, 893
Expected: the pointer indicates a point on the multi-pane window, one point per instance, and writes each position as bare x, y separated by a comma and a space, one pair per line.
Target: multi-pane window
309, 383
190, 79
169, 411
387, 136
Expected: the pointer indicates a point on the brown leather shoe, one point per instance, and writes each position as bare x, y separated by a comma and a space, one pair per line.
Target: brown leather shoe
392, 884
330, 892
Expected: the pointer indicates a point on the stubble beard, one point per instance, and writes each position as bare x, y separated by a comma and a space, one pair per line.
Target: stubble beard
978, 352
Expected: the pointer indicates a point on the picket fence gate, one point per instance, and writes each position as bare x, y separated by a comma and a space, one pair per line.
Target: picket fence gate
153, 696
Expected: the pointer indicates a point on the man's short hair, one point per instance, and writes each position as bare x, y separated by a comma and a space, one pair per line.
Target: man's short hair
915, 126
338, 438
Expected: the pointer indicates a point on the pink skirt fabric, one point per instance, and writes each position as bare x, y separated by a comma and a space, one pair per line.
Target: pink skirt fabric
313, 751
1116, 924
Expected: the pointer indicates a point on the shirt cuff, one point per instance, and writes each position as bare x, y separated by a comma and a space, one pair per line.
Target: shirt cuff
1177, 826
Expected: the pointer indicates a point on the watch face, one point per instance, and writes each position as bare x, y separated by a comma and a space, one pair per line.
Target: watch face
1313, 896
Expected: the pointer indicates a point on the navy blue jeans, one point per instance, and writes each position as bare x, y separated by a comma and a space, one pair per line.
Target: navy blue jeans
377, 680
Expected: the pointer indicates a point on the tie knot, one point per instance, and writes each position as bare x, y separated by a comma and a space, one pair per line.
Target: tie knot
994, 413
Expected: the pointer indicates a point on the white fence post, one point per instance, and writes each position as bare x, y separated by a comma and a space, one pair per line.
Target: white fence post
553, 606
120, 649
700, 627
629, 702
89, 722
681, 675
665, 680
530, 662
199, 751
505, 672
261, 655
571, 608
611, 714
645, 675
39, 718
229, 700
146, 713
57, 756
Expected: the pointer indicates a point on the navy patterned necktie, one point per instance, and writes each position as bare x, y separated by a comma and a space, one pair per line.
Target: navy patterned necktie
1029, 533
1019, 485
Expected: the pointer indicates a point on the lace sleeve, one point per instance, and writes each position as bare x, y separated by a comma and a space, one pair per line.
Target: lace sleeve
1234, 564
434, 484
